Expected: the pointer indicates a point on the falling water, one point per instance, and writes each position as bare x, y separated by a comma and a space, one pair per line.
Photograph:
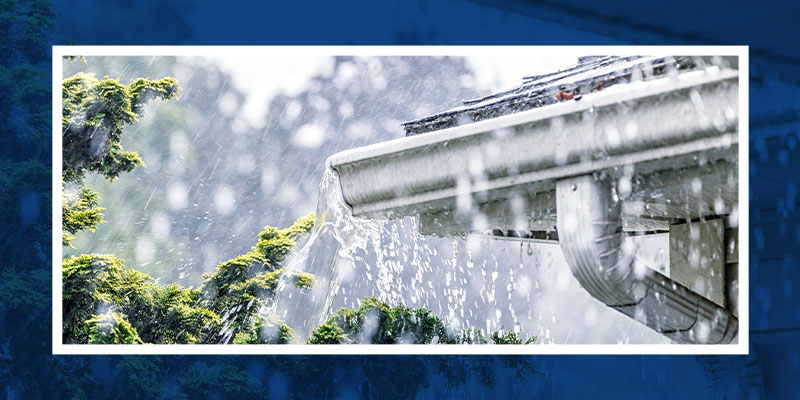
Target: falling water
352, 258
469, 283
323, 256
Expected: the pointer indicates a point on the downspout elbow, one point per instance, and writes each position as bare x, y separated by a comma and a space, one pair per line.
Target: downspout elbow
591, 237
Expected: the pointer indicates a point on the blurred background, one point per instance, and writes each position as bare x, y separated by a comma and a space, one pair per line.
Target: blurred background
25, 331
245, 144
245, 147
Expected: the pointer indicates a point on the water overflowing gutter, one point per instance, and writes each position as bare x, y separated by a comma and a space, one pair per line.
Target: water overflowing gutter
662, 128
533, 149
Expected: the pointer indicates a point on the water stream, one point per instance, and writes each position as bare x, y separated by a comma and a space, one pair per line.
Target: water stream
470, 283
353, 258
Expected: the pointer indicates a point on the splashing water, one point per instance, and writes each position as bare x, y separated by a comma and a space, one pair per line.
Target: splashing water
352, 258
469, 283
302, 307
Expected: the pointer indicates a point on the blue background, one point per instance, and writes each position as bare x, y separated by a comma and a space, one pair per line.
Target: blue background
28, 28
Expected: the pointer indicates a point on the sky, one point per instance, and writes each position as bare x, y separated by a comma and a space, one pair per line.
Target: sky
262, 76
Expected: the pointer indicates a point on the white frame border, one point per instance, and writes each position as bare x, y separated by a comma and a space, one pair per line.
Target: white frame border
741, 347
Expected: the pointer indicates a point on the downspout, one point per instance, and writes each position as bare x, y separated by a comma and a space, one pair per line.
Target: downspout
563, 147
590, 234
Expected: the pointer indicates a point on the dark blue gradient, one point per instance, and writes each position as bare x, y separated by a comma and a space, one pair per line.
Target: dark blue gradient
28, 28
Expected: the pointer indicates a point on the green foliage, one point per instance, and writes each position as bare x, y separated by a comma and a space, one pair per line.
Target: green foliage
469, 336
224, 309
273, 244
22, 289
179, 139
24, 181
175, 316
265, 331
25, 109
38, 22
74, 58
221, 381
112, 328
94, 114
241, 286
25, 178
301, 227
85, 281
95, 284
328, 334
79, 211
499, 337
303, 280
25, 81
140, 377
376, 322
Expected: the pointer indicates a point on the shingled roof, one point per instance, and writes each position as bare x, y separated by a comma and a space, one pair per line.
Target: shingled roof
590, 74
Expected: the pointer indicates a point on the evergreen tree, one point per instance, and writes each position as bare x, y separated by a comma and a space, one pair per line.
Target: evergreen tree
104, 301
25, 177
112, 328
378, 323
204, 148
79, 211
26, 361
94, 115
224, 309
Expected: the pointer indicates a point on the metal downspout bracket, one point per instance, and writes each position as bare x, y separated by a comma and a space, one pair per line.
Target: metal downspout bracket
591, 236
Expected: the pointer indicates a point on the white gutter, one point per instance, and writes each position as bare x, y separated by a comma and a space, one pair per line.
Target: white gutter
572, 149
656, 124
